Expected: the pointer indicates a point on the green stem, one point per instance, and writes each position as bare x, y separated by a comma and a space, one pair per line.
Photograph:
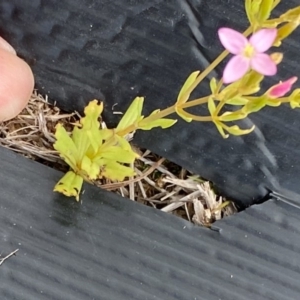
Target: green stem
272, 22
198, 118
195, 102
284, 99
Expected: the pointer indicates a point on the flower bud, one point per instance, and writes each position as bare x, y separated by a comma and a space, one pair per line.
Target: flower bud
277, 57
281, 88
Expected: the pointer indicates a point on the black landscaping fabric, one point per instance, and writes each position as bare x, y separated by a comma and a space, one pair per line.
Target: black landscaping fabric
116, 50
108, 247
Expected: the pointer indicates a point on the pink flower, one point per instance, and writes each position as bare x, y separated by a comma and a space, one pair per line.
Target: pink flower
280, 89
248, 54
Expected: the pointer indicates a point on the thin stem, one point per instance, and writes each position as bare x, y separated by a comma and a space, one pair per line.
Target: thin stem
195, 102
198, 118
284, 100
207, 71
272, 22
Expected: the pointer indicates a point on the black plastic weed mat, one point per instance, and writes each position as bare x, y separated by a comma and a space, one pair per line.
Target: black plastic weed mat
111, 248
116, 50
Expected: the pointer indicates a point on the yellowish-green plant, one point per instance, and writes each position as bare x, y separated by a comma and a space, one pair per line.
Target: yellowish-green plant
93, 152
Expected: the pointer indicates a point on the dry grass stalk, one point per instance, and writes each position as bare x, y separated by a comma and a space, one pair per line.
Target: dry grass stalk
2, 260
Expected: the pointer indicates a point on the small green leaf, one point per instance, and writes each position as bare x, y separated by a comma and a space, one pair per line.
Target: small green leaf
295, 94
247, 85
253, 78
90, 123
295, 98
90, 167
291, 15
250, 84
132, 115
230, 91
265, 10
163, 123
81, 141
236, 130
248, 8
183, 95
294, 104
70, 185
66, 147
254, 105
119, 151
232, 116
115, 171
239, 100
211, 106
92, 113
213, 85
258, 11
255, 6
219, 126
124, 144
106, 133
284, 31
118, 154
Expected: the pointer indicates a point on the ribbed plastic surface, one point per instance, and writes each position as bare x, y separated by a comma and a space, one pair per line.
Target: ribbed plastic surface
109, 247
81, 50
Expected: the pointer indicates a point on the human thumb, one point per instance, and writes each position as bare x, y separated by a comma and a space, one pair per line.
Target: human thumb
16, 84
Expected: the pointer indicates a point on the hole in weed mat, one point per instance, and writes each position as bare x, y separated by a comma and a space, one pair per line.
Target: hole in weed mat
158, 183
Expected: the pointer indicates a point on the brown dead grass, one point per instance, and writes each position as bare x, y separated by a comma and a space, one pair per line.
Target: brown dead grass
159, 183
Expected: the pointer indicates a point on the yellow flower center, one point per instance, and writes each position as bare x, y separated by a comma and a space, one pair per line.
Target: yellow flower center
249, 51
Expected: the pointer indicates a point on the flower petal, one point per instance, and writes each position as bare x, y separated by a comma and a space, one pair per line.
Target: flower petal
281, 88
263, 39
236, 68
263, 64
232, 40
